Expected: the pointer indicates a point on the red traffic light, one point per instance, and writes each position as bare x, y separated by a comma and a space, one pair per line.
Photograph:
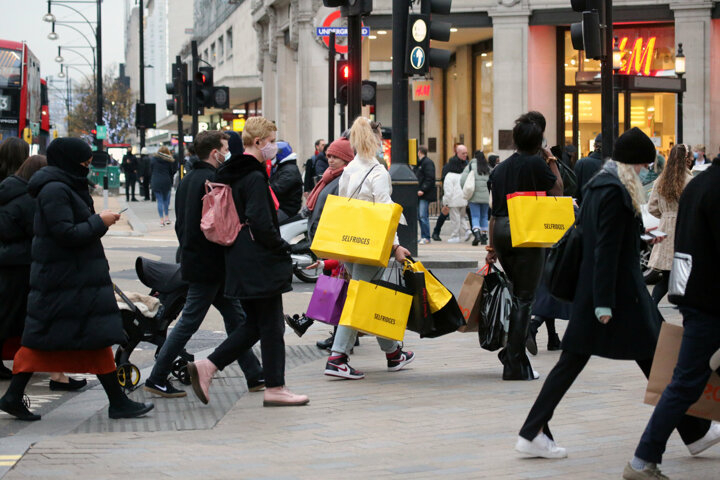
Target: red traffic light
93, 131
345, 71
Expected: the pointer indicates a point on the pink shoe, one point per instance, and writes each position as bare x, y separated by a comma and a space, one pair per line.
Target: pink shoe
282, 397
201, 373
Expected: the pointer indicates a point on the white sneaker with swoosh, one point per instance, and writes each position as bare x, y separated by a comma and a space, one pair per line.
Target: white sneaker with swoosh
337, 366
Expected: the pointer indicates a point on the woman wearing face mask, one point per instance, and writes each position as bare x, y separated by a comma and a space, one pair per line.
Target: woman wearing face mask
258, 270
72, 316
612, 315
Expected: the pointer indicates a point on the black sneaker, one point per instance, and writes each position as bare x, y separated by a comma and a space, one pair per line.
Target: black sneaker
164, 389
327, 343
71, 385
298, 323
19, 410
436, 237
554, 342
397, 361
129, 409
338, 367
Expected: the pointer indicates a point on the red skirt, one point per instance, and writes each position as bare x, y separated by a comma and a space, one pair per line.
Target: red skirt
97, 362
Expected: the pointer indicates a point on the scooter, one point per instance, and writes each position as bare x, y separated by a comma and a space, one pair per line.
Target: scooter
295, 232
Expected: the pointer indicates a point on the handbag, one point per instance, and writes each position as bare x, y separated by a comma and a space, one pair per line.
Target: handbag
468, 188
356, 231
562, 265
470, 298
537, 220
420, 319
376, 309
679, 276
495, 310
328, 299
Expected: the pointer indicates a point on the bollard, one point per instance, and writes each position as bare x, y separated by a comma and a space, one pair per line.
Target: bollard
105, 192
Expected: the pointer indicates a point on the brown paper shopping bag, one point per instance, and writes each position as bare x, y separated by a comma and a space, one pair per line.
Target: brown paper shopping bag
666, 356
469, 300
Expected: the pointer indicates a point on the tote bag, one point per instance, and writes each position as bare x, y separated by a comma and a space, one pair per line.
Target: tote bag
376, 310
537, 220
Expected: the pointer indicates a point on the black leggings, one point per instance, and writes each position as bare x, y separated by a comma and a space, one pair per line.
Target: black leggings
265, 322
661, 288
560, 379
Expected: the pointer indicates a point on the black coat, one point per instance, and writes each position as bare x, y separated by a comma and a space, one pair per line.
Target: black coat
258, 264
202, 261
287, 184
130, 166
17, 212
161, 178
585, 169
425, 173
71, 305
610, 277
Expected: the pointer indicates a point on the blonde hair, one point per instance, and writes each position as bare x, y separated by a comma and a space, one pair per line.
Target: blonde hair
363, 138
257, 127
632, 183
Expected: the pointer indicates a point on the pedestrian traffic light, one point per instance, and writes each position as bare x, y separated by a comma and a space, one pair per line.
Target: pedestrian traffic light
351, 7
368, 92
588, 34
343, 77
220, 97
204, 86
171, 89
419, 57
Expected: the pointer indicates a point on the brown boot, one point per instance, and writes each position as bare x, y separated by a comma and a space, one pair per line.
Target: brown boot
282, 397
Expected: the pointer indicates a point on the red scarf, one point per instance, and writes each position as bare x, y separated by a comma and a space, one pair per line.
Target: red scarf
328, 176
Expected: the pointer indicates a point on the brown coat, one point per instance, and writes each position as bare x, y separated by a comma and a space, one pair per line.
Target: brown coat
662, 253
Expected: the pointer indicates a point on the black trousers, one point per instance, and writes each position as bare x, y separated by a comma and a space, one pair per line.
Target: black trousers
130, 187
560, 379
661, 288
146, 187
265, 322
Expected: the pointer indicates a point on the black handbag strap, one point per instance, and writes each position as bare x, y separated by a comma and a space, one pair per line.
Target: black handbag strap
357, 190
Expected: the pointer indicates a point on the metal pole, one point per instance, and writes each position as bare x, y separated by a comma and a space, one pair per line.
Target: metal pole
355, 62
331, 88
98, 74
680, 118
608, 114
404, 181
141, 32
179, 108
193, 88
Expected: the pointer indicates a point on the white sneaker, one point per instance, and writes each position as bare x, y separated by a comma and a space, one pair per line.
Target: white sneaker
423, 241
711, 438
468, 235
541, 446
453, 240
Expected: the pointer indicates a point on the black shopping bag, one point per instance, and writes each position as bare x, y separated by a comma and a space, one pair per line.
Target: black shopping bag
446, 320
494, 310
420, 320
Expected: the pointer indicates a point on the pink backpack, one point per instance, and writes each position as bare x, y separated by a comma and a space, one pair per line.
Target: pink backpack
220, 222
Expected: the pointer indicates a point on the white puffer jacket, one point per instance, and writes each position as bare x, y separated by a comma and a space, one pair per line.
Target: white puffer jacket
452, 188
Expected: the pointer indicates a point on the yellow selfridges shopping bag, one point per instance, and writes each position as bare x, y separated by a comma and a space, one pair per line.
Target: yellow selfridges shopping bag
438, 294
376, 310
537, 220
356, 231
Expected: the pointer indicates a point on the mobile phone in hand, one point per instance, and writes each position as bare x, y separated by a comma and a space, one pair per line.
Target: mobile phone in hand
122, 211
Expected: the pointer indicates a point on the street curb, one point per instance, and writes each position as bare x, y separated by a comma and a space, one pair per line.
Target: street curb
138, 226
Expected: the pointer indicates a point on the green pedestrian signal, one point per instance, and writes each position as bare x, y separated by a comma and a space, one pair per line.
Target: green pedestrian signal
101, 132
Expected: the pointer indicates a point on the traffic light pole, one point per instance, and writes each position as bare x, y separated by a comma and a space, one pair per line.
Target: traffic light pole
607, 94
193, 89
331, 88
99, 75
355, 63
141, 36
180, 107
404, 181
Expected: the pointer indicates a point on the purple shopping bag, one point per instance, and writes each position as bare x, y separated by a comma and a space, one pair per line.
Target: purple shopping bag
328, 299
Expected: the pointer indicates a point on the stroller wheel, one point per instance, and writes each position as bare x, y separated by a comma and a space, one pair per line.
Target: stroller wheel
180, 371
128, 376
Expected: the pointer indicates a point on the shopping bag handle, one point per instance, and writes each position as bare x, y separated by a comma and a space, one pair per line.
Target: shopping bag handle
485, 270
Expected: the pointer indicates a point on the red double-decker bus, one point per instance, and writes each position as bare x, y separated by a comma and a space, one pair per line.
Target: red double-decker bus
20, 92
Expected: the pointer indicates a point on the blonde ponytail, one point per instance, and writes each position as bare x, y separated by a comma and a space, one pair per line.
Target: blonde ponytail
363, 139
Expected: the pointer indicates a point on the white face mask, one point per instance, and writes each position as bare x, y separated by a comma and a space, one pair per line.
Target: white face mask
269, 151
227, 156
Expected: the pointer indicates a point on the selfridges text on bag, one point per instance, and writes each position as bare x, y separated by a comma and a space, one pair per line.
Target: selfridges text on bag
220, 222
376, 310
537, 220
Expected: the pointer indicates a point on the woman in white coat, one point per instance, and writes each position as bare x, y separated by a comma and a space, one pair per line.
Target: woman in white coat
453, 199
365, 179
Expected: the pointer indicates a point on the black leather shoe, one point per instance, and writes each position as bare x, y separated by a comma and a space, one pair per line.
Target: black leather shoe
327, 343
554, 343
18, 410
5, 373
436, 237
130, 409
298, 323
70, 386
477, 237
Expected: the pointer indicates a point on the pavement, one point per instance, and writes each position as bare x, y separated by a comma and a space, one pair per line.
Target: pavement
447, 415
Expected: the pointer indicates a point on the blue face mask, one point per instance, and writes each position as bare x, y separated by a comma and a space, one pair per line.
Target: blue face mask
696, 155
227, 156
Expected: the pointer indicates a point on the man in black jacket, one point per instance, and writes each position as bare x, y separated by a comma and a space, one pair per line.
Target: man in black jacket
425, 172
697, 239
203, 267
130, 169
587, 167
286, 182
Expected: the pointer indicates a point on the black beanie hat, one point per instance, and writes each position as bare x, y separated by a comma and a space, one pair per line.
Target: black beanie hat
68, 153
634, 148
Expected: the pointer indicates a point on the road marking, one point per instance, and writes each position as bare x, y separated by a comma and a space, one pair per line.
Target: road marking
9, 460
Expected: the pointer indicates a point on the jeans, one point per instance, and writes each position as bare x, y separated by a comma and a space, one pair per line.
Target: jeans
345, 336
199, 298
701, 338
424, 218
479, 215
163, 203
265, 322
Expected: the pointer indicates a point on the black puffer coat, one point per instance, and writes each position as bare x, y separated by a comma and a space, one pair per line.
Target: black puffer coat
287, 184
610, 277
258, 264
17, 211
71, 305
425, 173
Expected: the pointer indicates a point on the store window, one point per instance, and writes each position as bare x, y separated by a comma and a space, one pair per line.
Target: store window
647, 50
221, 49
213, 55
484, 102
229, 42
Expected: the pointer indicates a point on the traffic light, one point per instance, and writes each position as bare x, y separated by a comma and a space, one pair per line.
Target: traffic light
172, 89
419, 57
368, 92
351, 7
204, 86
588, 34
220, 97
343, 77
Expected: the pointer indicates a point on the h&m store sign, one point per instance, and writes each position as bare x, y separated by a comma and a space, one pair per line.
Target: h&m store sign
646, 51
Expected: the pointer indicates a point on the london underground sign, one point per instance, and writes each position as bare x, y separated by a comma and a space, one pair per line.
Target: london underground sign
327, 28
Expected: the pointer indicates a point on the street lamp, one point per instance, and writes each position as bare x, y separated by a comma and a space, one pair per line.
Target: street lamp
616, 65
62, 71
48, 17
680, 71
52, 35
617, 55
59, 58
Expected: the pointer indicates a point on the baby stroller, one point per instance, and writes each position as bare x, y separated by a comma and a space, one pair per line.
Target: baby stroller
166, 284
